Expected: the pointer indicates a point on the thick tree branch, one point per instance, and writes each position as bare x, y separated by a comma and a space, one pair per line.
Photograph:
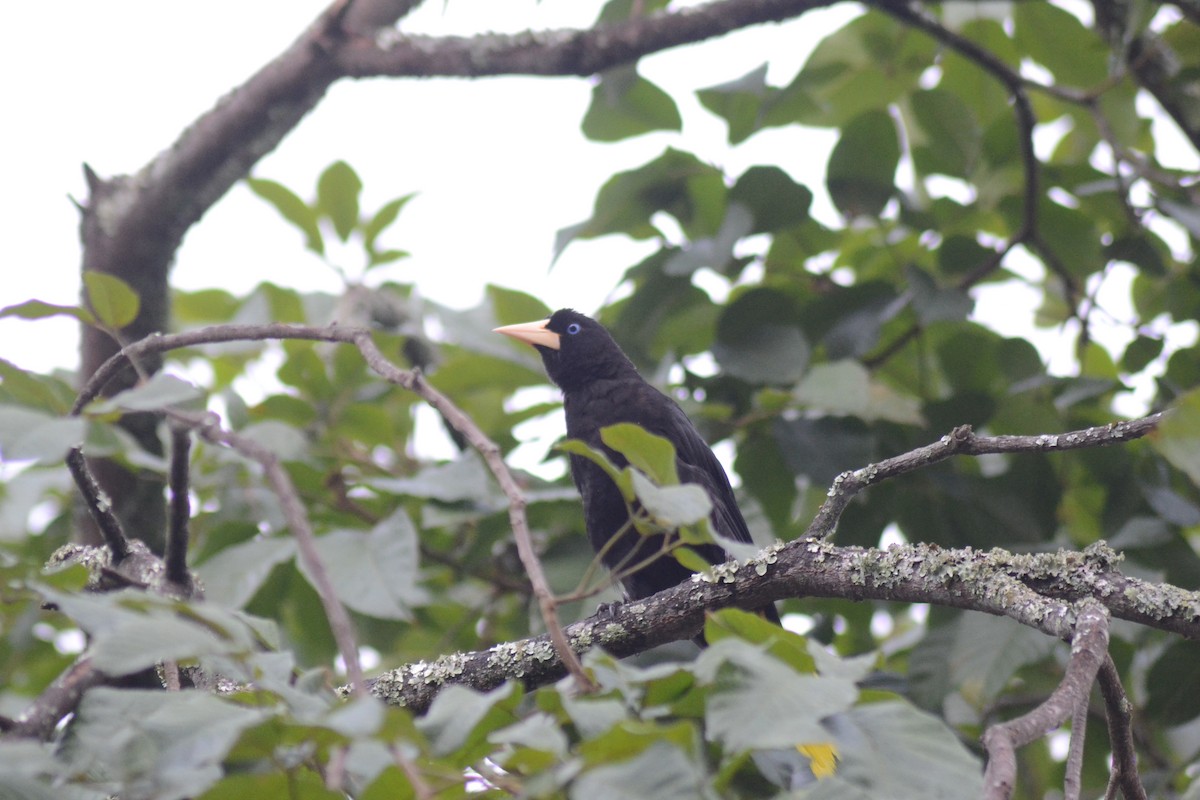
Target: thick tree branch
1041, 591
560, 52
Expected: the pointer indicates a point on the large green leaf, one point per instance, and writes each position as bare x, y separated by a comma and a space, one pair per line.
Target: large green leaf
758, 702
759, 339
337, 197
625, 104
1178, 435
113, 301
291, 208
26, 434
374, 573
862, 168
662, 772
167, 744
892, 750
676, 182
234, 575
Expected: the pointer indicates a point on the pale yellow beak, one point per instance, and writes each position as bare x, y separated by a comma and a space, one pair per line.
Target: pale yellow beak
533, 333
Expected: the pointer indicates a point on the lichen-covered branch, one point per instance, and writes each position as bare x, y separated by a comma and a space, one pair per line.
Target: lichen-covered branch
1042, 591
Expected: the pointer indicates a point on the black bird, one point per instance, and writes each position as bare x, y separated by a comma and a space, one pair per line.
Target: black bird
602, 387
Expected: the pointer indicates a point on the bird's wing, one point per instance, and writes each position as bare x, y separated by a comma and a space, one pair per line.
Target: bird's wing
698, 464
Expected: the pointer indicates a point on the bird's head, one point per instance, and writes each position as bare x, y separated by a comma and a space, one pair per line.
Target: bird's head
575, 348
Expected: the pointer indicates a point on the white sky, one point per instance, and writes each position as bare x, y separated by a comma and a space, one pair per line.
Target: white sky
499, 164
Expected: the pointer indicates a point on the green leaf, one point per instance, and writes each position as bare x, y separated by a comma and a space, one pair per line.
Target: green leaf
337, 197
822, 448
1171, 682
383, 219
891, 749
374, 573
947, 139
26, 434
36, 309
235, 574
1178, 435
862, 168
510, 306
739, 102
1056, 39
652, 454
167, 744
759, 339
625, 104
620, 477
981, 654
30, 389
292, 209
1072, 236
161, 391
672, 506
662, 772
460, 717
466, 479
775, 200
935, 303
842, 78
112, 300
845, 388
759, 702
676, 182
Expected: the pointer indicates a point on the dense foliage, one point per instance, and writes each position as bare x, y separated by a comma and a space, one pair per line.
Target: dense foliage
809, 349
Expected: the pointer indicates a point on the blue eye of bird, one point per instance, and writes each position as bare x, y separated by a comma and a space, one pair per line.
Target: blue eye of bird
573, 328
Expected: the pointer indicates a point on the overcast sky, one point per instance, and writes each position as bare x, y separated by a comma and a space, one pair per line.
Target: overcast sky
499, 164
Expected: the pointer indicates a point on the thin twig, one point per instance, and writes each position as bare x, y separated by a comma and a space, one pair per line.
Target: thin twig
1073, 779
99, 506
175, 557
1120, 734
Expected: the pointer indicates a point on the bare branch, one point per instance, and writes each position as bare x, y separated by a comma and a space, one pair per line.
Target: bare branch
99, 506
1120, 734
56, 701
1073, 781
1089, 648
964, 441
